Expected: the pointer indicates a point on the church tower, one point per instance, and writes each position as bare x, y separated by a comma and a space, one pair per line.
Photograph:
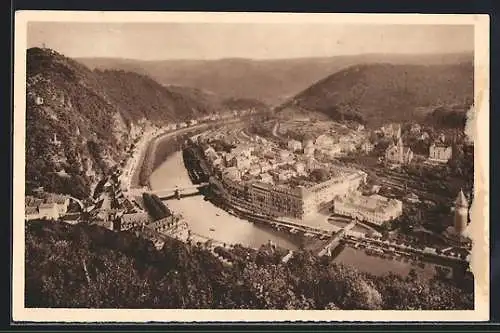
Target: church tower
461, 213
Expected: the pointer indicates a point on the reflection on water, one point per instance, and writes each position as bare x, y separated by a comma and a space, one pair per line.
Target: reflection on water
380, 266
208, 220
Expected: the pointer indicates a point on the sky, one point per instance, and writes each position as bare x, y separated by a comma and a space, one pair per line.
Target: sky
163, 41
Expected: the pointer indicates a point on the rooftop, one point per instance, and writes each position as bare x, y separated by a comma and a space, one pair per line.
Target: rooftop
461, 200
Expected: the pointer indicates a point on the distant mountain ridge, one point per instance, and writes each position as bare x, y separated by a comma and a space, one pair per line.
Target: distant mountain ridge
377, 93
81, 121
270, 81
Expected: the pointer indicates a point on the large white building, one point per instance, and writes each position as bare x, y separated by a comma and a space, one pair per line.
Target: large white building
374, 209
51, 206
299, 202
440, 152
322, 195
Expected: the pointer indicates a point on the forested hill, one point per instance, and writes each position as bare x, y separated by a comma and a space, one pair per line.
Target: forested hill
376, 93
89, 266
244, 104
272, 81
93, 114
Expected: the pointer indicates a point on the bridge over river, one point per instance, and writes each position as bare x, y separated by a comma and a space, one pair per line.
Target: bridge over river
178, 191
335, 241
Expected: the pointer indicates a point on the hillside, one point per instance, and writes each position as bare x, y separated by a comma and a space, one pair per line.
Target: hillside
86, 266
270, 81
244, 104
377, 93
79, 122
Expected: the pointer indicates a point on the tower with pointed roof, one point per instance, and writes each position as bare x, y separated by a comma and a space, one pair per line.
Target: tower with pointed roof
461, 213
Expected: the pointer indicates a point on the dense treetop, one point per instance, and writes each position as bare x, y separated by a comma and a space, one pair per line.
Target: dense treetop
90, 266
378, 93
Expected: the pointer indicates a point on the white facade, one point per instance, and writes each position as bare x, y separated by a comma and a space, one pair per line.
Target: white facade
375, 209
440, 153
48, 211
324, 193
367, 147
294, 145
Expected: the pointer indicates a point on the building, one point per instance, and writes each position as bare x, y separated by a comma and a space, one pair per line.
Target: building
232, 174
424, 136
415, 129
284, 175
398, 153
374, 209
461, 213
245, 151
48, 211
47, 205
367, 147
392, 130
131, 220
299, 167
307, 142
284, 200
294, 145
254, 170
440, 152
276, 200
241, 162
62, 203
266, 178
309, 151
321, 195
265, 166
31, 213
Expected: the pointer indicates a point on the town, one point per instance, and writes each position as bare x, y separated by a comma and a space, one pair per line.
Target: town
307, 178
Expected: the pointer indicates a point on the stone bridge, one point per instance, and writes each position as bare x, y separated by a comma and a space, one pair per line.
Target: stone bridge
178, 191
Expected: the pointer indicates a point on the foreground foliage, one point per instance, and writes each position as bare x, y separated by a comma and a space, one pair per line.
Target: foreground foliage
89, 266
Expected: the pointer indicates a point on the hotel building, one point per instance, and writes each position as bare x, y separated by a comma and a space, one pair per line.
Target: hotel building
374, 209
284, 200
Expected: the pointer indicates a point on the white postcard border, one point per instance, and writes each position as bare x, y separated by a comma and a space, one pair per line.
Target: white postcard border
480, 209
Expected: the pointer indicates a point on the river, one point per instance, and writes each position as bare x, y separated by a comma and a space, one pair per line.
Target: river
210, 221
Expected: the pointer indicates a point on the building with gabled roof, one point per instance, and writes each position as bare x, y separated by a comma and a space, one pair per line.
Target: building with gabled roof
440, 151
397, 153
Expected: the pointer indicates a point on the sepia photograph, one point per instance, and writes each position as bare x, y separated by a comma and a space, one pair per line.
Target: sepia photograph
167, 165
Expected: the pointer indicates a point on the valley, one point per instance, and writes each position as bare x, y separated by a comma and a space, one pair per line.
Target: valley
297, 178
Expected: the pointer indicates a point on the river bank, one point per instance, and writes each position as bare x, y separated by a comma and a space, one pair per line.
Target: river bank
215, 221
208, 220
157, 149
